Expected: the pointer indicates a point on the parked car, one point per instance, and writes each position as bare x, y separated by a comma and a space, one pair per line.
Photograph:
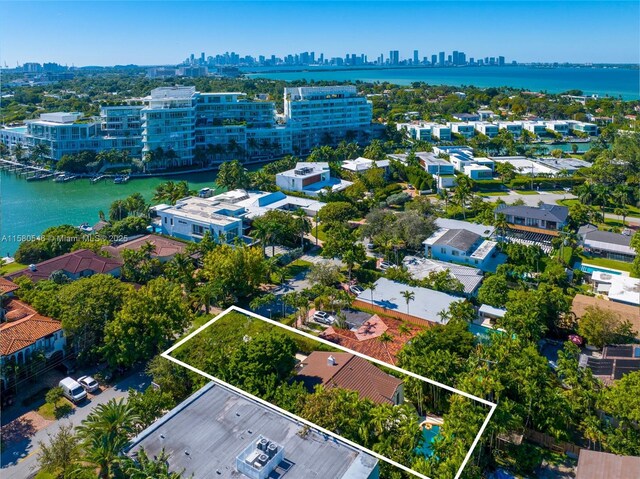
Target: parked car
89, 384
355, 289
385, 265
370, 246
323, 317
72, 390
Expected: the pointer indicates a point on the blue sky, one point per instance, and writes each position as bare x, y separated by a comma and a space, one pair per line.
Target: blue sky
146, 33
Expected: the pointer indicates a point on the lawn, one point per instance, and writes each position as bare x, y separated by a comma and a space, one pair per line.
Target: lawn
47, 410
606, 263
526, 192
319, 233
296, 267
11, 267
493, 193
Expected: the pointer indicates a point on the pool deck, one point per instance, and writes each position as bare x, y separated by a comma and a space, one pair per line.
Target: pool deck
604, 270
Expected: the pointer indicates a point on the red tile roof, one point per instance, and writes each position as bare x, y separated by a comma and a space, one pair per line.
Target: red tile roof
165, 247
7, 286
384, 351
349, 372
24, 327
73, 263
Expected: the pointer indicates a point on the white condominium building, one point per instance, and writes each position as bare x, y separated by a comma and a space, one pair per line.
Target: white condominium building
318, 115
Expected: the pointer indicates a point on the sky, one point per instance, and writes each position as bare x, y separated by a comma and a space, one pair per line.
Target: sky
154, 33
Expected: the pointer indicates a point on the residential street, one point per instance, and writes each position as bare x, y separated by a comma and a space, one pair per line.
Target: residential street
19, 460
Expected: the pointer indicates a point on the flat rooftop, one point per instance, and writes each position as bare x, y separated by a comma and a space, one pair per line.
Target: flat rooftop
202, 209
205, 433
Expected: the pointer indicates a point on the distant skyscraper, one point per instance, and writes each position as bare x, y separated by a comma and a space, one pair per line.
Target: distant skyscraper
462, 58
441, 59
202, 58
501, 61
450, 59
455, 58
434, 59
394, 57
416, 59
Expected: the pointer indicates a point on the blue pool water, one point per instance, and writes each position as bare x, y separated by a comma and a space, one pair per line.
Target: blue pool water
428, 436
590, 269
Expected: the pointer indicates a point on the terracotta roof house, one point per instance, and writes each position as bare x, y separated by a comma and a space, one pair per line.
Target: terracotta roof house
623, 311
348, 371
166, 248
366, 339
601, 465
23, 331
76, 264
7, 287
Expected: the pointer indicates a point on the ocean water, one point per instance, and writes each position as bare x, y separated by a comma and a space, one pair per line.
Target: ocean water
616, 82
29, 207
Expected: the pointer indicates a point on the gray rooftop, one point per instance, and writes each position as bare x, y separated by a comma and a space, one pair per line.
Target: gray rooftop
205, 433
426, 305
420, 268
462, 240
483, 230
605, 239
544, 212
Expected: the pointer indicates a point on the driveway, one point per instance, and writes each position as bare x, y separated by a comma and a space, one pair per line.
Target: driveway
20, 460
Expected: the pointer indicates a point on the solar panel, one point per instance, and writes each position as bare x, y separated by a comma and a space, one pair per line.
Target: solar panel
619, 352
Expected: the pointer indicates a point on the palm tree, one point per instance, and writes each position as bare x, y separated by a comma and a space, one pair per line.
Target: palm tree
303, 224
105, 433
586, 193
462, 193
501, 225
18, 152
622, 212
373, 288
408, 297
145, 468
39, 152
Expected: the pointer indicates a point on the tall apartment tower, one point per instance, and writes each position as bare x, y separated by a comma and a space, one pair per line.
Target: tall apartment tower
434, 59
441, 59
394, 57
456, 57
416, 59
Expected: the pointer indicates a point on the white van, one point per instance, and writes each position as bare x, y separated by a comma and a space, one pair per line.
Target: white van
72, 390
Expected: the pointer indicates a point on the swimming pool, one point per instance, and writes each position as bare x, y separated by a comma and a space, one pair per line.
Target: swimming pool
591, 269
428, 436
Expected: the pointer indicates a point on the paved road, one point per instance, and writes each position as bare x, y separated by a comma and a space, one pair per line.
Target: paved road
532, 200
19, 460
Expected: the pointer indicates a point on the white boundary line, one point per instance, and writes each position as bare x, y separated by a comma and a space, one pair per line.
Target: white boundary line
167, 355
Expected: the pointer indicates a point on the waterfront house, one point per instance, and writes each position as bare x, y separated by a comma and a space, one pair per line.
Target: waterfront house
545, 218
310, 179
605, 244
75, 265
226, 215
219, 429
22, 332
164, 248
348, 371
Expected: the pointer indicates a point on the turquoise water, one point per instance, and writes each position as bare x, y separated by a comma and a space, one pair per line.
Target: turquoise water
582, 147
624, 82
428, 436
28, 208
591, 269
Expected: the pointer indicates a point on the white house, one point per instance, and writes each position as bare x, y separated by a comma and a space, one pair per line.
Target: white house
361, 164
486, 128
513, 127
463, 128
310, 179
463, 246
478, 172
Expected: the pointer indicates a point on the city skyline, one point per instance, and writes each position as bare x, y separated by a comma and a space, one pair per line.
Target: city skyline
536, 31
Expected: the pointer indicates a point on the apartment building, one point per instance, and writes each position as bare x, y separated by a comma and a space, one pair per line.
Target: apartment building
317, 115
178, 126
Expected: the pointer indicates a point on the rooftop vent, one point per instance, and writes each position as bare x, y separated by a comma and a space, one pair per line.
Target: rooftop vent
331, 361
260, 458
32, 267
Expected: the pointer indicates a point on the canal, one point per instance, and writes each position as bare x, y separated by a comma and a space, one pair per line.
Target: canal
30, 207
